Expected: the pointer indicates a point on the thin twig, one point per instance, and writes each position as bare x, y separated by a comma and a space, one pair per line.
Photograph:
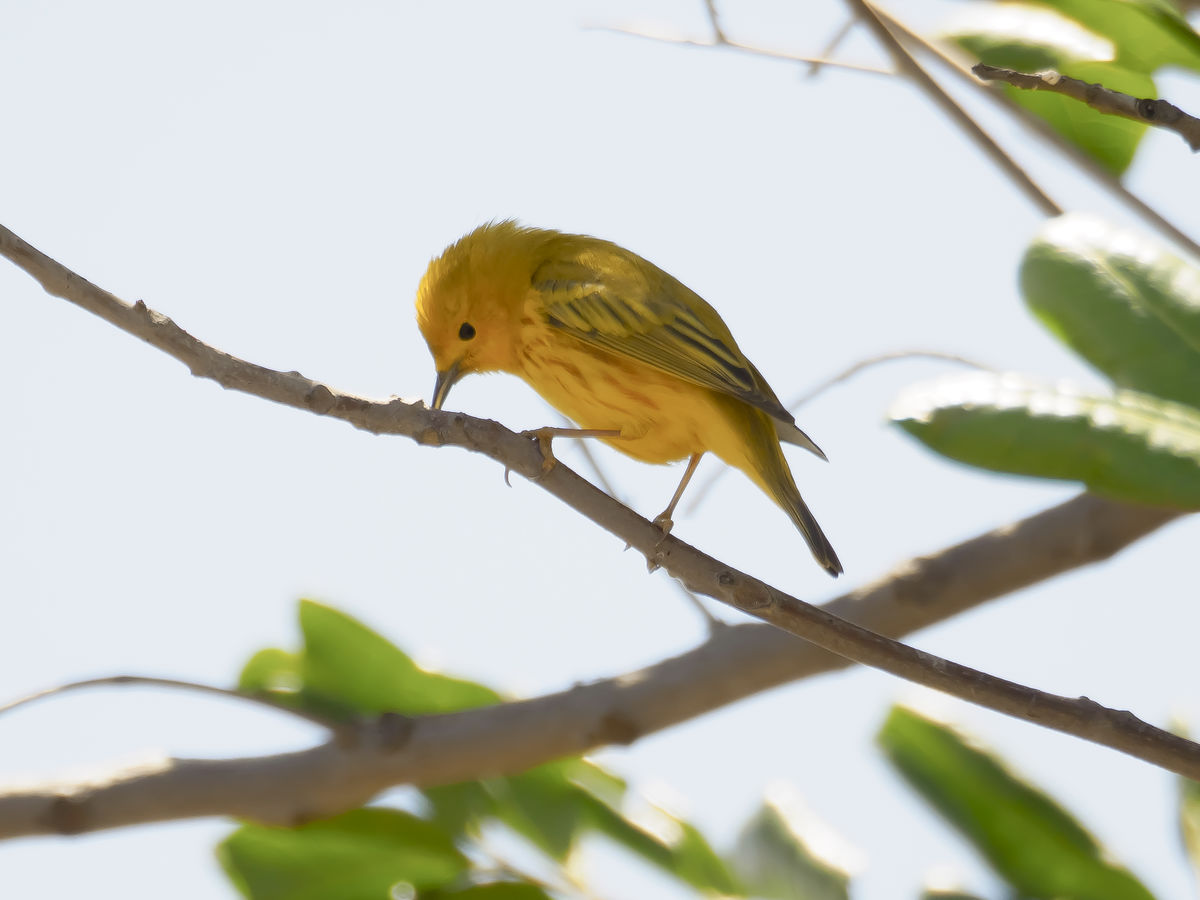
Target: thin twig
150, 681
742, 48
1035, 123
908, 66
714, 19
831, 45
698, 571
1158, 113
871, 361
700, 492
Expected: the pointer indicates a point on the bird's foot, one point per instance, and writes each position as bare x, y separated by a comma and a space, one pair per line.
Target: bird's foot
664, 524
545, 436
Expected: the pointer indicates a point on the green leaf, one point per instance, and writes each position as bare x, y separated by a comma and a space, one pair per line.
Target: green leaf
346, 660
681, 850
1032, 842
548, 805
1147, 34
460, 808
346, 668
543, 805
774, 861
273, 672
1029, 39
359, 855
1125, 303
1128, 446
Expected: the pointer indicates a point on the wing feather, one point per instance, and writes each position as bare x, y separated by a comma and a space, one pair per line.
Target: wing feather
627, 306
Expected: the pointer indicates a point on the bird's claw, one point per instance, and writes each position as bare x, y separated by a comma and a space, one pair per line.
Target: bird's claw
664, 524
544, 438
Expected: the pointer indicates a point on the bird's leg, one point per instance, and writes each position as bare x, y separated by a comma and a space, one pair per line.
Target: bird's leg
663, 519
545, 435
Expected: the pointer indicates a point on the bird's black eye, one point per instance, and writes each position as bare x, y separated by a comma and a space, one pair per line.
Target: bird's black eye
466, 331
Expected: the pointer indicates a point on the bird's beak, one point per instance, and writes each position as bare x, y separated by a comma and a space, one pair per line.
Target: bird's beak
445, 381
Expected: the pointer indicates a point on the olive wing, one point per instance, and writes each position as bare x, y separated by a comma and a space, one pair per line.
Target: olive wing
654, 319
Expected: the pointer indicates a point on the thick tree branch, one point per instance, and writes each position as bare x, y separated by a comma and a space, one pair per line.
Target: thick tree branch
1158, 113
503, 738
733, 663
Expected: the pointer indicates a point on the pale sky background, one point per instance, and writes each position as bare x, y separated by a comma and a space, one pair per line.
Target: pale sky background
275, 177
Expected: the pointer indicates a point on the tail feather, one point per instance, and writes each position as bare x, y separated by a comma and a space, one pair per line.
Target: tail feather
752, 445
793, 504
776, 478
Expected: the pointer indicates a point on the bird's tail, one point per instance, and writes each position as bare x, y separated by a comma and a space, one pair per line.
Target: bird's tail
782, 488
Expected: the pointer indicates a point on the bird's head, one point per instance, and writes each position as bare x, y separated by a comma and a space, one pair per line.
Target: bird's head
470, 300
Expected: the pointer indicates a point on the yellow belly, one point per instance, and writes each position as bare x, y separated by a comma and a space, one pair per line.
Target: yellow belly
661, 417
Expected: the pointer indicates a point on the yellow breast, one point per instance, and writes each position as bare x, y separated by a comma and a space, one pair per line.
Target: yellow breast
660, 416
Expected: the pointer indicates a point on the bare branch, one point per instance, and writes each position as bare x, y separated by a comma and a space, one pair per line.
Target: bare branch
1086, 163
991, 574
871, 361
910, 67
753, 50
714, 19
832, 45
150, 681
733, 663
710, 620
1158, 113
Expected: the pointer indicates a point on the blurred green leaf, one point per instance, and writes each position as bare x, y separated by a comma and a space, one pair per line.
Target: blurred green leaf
543, 805
555, 804
934, 894
346, 668
774, 861
460, 808
1146, 34
274, 672
1189, 821
548, 805
1029, 39
355, 856
345, 659
1125, 303
1031, 841
681, 850
1129, 446
501, 890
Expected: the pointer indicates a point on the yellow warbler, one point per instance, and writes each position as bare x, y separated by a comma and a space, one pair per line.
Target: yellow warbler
618, 346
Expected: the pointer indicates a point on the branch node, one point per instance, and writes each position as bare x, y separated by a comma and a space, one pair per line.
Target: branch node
755, 596
320, 399
615, 727
394, 730
68, 814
